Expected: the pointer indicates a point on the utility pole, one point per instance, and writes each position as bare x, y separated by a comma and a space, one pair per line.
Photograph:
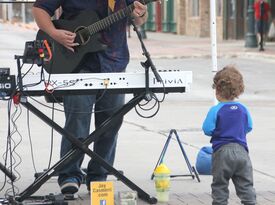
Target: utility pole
250, 38
213, 29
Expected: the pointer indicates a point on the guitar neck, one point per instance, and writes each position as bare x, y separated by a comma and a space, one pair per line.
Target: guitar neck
115, 17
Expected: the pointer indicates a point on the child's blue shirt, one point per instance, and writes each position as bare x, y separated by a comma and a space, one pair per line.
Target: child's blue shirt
227, 122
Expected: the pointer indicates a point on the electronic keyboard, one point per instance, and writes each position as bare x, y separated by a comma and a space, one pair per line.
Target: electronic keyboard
90, 83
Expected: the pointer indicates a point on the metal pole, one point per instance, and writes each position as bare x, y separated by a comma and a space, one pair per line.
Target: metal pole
23, 12
213, 39
250, 38
143, 32
10, 12
262, 26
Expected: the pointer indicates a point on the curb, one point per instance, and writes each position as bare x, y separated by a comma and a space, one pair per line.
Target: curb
227, 55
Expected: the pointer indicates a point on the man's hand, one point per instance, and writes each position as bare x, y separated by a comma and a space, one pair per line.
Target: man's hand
66, 38
139, 10
44, 22
140, 13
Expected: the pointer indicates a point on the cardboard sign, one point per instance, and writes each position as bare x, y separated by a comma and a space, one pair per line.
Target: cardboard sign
102, 193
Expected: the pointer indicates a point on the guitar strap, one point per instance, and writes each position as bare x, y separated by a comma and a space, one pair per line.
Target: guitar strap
111, 6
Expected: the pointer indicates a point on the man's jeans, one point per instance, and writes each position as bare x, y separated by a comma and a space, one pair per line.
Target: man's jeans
78, 110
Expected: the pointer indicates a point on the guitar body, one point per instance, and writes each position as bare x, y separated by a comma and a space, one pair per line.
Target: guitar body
64, 60
86, 25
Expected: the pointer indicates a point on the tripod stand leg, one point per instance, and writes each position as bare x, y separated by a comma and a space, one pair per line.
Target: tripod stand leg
162, 154
196, 174
192, 169
184, 153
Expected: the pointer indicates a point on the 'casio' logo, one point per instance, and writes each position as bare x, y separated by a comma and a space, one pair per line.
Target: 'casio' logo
234, 107
5, 86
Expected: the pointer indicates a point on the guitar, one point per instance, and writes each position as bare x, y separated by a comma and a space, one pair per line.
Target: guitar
86, 26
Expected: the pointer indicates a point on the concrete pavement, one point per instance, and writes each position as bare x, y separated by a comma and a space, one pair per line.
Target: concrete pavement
141, 140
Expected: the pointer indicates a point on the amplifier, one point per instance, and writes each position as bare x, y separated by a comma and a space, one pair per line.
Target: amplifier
7, 83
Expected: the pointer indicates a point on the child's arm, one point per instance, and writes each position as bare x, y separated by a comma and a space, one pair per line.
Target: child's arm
209, 123
249, 122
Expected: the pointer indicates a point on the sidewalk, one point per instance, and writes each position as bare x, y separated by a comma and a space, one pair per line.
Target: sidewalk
141, 140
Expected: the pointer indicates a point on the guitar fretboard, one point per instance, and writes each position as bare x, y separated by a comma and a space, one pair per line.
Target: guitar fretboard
106, 22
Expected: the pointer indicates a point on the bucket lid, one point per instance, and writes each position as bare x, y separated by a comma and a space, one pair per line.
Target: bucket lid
162, 169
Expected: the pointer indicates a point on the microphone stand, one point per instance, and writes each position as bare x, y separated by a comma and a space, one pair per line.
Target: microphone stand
7, 172
147, 64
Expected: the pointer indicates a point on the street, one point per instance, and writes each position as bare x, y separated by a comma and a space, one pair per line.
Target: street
141, 140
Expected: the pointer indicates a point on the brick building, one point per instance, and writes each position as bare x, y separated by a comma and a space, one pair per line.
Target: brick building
192, 17
183, 17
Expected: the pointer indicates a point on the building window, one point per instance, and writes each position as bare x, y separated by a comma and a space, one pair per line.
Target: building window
219, 7
232, 9
195, 7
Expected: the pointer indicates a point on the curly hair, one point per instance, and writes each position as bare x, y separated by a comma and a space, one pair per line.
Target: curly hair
228, 83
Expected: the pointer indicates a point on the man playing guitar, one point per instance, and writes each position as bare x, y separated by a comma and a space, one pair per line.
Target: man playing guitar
78, 109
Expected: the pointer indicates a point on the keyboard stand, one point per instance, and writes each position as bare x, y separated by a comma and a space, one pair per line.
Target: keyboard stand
79, 145
83, 147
